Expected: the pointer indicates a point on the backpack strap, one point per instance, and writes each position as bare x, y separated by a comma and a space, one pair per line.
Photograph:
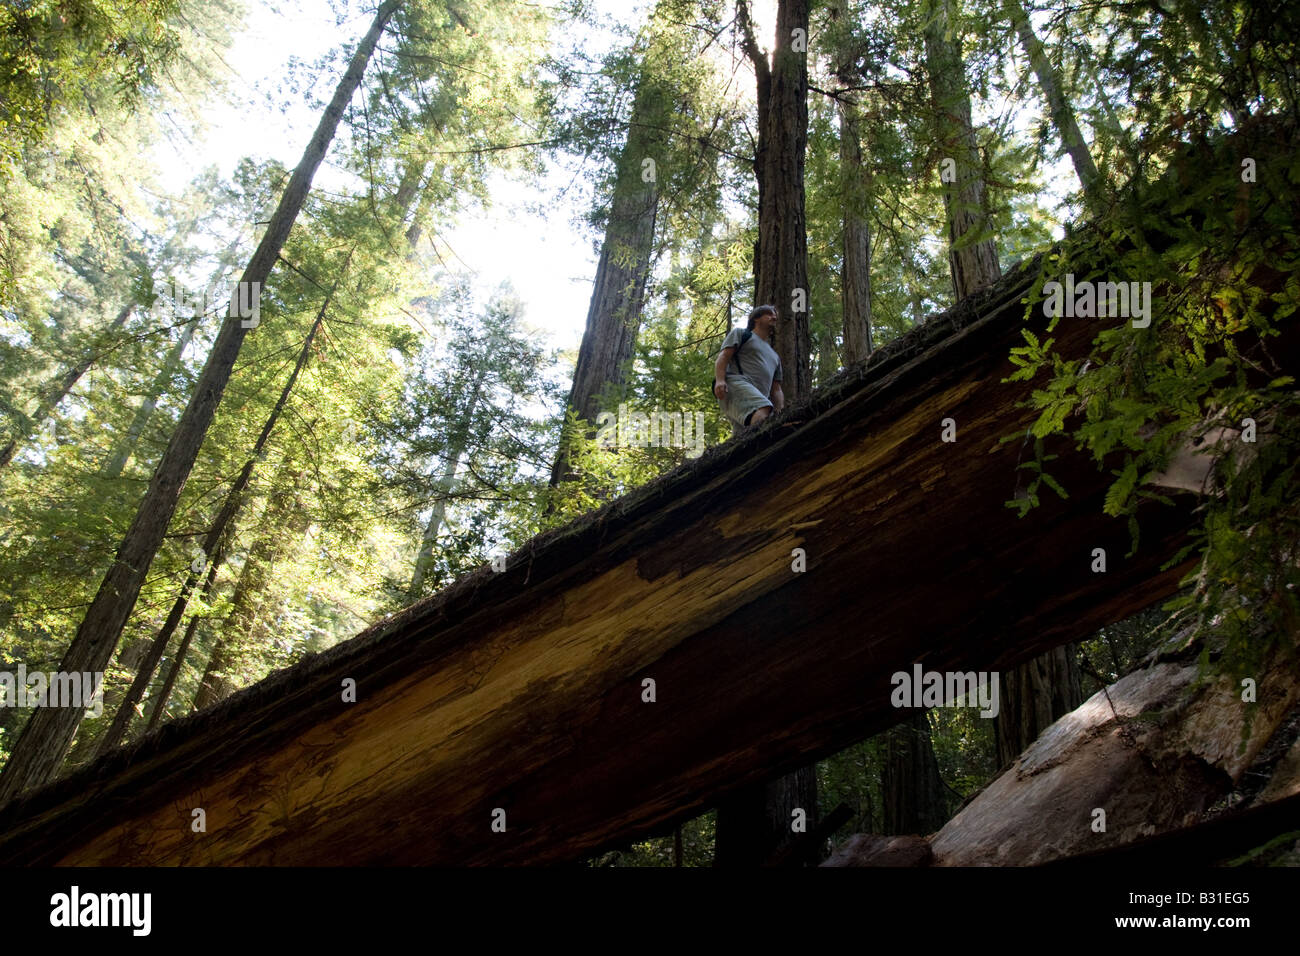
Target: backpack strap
745, 336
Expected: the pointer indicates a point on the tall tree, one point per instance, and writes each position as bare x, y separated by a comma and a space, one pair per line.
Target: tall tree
1058, 106
618, 293
972, 252
912, 795
460, 412
39, 751
755, 823
855, 267
213, 547
58, 388
457, 437
781, 259
662, 175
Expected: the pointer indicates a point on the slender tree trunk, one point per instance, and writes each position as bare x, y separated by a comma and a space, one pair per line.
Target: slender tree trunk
416, 228
618, 293
412, 174
245, 625
1032, 697
855, 269
828, 357
443, 486
213, 544
915, 298
158, 705
974, 262
912, 792
213, 685
144, 674
781, 270
57, 389
122, 451
1049, 81
40, 749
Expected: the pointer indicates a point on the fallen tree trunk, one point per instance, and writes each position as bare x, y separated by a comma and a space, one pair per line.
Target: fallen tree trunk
1145, 757
524, 690
728, 623
1149, 754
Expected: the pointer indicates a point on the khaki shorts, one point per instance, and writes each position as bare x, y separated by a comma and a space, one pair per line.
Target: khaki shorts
742, 400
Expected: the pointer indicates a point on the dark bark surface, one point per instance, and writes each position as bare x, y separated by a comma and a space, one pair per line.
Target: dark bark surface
855, 268
1032, 697
912, 795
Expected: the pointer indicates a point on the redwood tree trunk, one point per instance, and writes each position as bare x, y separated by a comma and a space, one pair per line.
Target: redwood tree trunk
781, 263
755, 824
1049, 82
39, 750
911, 790
618, 294
1032, 697
974, 262
855, 268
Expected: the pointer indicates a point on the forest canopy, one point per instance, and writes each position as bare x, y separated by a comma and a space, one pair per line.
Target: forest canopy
243, 418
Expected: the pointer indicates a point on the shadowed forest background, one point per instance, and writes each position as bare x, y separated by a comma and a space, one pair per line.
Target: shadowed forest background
190, 504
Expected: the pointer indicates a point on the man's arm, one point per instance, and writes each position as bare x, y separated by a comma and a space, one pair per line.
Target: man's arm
778, 397
720, 373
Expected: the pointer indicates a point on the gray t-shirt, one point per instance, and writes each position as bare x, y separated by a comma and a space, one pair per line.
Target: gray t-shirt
758, 361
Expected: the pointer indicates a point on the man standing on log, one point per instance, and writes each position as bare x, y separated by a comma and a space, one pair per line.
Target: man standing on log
747, 373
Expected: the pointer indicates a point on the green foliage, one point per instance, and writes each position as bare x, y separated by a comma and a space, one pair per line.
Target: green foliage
666, 378
697, 840
1222, 256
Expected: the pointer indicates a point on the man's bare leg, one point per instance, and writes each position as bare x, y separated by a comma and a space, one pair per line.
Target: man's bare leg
760, 415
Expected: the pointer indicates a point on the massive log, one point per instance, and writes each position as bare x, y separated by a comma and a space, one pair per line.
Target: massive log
521, 697
1155, 752
524, 690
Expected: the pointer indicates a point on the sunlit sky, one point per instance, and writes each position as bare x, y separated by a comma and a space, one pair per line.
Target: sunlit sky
528, 237
547, 257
